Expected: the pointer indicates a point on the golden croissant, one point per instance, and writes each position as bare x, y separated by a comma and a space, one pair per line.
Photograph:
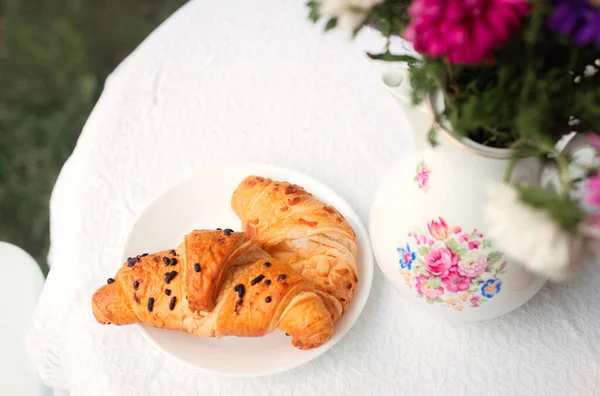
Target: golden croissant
298, 229
216, 283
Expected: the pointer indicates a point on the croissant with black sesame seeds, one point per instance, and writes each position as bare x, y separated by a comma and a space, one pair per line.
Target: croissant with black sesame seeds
299, 229
216, 283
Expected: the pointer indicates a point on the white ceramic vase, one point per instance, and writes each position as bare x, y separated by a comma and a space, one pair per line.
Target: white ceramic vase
426, 224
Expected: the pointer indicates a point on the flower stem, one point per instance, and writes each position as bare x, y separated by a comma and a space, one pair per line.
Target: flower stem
509, 169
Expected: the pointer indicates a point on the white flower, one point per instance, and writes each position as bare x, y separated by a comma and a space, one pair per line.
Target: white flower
350, 14
532, 238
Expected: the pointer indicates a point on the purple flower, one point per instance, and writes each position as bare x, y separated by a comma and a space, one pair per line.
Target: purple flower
577, 18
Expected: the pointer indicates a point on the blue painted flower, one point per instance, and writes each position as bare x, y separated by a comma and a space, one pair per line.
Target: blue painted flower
491, 287
406, 257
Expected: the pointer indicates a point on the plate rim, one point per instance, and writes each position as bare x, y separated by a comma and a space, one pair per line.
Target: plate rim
366, 280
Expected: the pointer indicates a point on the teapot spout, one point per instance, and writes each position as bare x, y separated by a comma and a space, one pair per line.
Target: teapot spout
419, 118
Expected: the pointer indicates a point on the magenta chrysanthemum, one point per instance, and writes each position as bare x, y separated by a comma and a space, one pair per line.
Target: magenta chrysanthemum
466, 31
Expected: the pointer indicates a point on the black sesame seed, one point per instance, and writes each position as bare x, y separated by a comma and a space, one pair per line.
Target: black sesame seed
173, 261
169, 276
240, 290
268, 299
150, 304
219, 229
166, 260
144, 255
268, 282
267, 264
197, 267
168, 292
287, 334
228, 231
257, 279
172, 303
172, 253
281, 277
136, 284
110, 280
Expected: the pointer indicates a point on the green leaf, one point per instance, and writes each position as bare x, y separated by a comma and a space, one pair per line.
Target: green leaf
486, 244
423, 250
331, 23
435, 282
432, 136
439, 299
389, 57
313, 13
452, 244
457, 248
566, 213
494, 256
429, 300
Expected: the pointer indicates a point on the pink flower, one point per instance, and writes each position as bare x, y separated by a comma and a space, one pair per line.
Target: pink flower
473, 245
595, 141
592, 196
439, 261
456, 229
455, 282
472, 265
425, 289
438, 229
464, 237
475, 301
423, 177
466, 31
430, 242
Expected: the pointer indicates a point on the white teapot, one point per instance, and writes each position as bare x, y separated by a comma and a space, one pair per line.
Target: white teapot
426, 223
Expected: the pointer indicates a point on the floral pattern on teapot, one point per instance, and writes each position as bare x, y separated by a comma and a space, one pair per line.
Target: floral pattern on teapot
448, 266
422, 175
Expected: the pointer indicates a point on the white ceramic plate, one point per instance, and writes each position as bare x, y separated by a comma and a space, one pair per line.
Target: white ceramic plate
203, 201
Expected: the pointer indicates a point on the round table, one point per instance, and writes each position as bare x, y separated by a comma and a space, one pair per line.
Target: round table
254, 81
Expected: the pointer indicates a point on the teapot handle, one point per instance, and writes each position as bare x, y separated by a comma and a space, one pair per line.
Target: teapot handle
419, 117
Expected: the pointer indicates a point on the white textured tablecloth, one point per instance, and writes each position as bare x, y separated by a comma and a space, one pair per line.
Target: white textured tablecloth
237, 81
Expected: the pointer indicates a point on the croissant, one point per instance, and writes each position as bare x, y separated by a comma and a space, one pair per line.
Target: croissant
216, 283
298, 229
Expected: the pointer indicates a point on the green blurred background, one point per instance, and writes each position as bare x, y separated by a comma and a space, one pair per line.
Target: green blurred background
54, 58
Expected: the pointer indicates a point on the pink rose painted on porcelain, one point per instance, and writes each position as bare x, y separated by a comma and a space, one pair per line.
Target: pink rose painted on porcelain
438, 229
472, 264
439, 261
475, 301
455, 282
424, 288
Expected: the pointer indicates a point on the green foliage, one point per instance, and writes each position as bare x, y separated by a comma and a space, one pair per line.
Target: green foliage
494, 256
458, 249
423, 251
563, 210
54, 57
